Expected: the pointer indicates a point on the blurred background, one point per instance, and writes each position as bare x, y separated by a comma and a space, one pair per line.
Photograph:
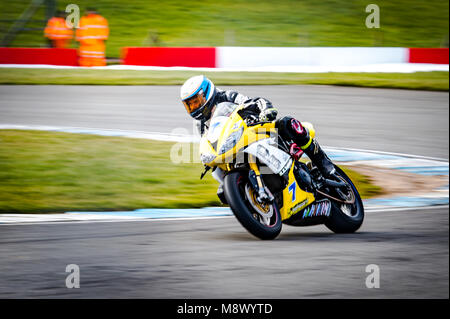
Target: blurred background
404, 23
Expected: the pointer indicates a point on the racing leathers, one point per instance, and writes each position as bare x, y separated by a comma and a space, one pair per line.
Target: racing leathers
289, 129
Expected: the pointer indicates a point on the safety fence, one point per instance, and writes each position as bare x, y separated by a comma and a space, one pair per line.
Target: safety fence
51, 56
236, 57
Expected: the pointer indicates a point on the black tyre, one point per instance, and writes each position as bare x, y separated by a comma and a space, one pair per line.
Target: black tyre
235, 193
346, 218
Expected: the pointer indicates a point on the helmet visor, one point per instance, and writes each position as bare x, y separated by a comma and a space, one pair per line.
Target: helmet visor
195, 102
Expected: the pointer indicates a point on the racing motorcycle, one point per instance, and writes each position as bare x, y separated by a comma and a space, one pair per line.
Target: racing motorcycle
268, 183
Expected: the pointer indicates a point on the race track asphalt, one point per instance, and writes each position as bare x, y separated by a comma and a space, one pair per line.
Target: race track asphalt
401, 121
217, 258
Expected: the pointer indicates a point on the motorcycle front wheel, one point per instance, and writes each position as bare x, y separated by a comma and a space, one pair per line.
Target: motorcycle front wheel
241, 199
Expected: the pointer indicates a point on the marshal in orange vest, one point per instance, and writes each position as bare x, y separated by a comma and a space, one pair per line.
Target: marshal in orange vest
92, 34
58, 32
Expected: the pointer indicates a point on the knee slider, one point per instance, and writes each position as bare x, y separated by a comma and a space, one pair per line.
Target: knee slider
292, 128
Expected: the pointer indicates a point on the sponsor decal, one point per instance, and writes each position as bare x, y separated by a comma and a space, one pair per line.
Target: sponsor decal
298, 207
286, 167
318, 209
271, 159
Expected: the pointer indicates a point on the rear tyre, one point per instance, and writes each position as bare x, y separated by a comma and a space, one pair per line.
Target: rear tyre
346, 218
235, 194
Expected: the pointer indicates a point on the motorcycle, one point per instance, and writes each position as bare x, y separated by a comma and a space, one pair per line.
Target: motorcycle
267, 183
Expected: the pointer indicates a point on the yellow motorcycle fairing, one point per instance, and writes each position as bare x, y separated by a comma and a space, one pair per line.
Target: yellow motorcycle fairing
294, 198
234, 123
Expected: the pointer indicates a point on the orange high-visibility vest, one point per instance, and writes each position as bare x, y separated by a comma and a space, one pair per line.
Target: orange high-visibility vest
92, 54
91, 34
57, 31
93, 27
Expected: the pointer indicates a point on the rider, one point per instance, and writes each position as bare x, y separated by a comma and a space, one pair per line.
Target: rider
200, 97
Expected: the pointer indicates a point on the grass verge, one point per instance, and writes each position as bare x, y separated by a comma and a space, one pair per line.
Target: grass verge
437, 81
58, 172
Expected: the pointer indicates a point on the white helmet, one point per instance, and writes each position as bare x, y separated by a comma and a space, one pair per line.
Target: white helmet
197, 93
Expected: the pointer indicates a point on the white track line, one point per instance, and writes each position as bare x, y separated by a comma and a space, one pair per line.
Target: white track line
175, 137
377, 210
18, 219
113, 220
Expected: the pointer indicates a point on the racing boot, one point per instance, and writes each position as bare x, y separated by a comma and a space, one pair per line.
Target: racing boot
320, 159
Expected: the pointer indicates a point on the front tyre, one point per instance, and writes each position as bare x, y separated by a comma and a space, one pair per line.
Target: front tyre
346, 218
237, 197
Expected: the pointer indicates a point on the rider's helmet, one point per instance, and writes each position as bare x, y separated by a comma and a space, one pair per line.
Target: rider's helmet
197, 94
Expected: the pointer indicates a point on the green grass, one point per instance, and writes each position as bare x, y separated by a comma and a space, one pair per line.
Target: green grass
405, 23
58, 172
438, 81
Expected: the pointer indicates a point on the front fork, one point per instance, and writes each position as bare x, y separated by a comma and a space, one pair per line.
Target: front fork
263, 193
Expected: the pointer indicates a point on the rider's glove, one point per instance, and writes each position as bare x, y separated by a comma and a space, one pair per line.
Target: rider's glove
268, 115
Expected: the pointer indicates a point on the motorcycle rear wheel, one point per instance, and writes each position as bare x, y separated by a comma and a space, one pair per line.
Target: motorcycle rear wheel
234, 188
346, 218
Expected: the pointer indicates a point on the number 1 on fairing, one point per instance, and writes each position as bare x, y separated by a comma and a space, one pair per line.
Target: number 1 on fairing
292, 189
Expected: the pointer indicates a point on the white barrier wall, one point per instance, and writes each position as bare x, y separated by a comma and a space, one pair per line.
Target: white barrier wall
233, 57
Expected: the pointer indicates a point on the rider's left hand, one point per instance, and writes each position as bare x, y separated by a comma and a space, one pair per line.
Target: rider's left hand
268, 115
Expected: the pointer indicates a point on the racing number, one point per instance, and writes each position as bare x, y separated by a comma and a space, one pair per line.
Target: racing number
292, 189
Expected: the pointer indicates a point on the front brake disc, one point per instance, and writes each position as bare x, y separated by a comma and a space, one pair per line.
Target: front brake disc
265, 210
